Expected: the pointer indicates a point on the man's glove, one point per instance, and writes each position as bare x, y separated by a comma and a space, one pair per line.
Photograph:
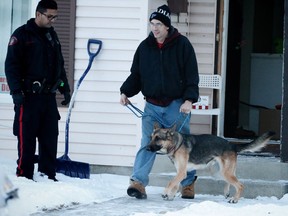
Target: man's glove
18, 99
67, 98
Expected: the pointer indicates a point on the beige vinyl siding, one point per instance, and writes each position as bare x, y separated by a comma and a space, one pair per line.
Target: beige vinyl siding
199, 26
8, 143
103, 132
202, 25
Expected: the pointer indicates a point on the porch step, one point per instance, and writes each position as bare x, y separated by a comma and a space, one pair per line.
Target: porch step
261, 176
252, 188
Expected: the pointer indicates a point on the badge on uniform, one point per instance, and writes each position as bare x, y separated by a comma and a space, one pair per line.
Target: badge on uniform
13, 41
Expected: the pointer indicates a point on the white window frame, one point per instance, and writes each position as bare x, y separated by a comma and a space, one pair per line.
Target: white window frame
21, 12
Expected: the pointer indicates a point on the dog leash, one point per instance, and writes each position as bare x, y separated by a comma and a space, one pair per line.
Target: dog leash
139, 113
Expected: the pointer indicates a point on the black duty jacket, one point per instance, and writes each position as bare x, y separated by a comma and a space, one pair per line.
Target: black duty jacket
170, 72
34, 54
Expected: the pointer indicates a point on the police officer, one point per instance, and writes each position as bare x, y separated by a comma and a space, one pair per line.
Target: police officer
34, 68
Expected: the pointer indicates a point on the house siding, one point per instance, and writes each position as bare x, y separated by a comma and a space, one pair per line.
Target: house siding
201, 33
199, 26
8, 144
102, 132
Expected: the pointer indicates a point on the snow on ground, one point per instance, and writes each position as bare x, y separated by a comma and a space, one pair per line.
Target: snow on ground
105, 194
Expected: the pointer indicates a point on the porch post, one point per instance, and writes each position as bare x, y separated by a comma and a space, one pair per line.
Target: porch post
223, 64
284, 122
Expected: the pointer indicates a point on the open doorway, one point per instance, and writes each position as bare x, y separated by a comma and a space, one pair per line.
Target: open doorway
253, 93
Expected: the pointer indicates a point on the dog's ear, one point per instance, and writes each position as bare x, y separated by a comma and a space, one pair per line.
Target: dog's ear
173, 129
156, 125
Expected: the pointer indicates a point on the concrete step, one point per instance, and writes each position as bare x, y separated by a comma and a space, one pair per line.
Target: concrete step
248, 167
212, 186
261, 176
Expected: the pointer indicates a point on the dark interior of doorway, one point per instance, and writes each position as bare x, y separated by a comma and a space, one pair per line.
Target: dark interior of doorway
263, 42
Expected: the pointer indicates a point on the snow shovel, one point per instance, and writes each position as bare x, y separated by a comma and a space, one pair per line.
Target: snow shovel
64, 164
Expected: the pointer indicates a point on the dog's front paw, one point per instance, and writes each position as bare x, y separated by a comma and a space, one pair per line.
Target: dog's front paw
233, 200
167, 198
227, 195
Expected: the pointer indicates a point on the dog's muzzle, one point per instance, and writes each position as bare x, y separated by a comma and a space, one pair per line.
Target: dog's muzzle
153, 148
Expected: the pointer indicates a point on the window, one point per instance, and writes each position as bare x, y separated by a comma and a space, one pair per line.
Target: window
12, 15
15, 13
268, 26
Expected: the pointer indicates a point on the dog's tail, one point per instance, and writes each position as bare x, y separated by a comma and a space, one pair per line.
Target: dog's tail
257, 144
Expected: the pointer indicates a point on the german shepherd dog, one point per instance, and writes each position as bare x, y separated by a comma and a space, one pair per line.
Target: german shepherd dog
189, 152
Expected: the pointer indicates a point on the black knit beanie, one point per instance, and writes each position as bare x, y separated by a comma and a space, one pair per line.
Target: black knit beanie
162, 14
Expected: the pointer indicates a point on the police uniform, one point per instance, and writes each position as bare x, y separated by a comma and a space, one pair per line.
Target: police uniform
34, 69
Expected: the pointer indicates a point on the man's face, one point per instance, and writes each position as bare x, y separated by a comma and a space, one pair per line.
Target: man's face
46, 19
159, 30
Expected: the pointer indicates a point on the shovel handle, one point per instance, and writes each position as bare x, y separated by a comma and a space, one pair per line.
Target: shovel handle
89, 48
91, 58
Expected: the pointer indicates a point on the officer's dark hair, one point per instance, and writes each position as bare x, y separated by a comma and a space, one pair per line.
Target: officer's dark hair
43, 5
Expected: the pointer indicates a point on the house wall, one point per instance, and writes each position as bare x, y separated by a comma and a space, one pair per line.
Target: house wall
8, 143
102, 132
199, 26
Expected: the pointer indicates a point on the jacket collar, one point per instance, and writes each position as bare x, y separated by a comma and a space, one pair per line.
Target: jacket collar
32, 26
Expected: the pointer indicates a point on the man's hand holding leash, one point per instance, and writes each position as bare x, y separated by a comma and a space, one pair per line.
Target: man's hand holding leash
186, 107
124, 100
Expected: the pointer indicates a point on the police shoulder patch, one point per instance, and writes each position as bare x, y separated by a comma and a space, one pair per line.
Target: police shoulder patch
13, 41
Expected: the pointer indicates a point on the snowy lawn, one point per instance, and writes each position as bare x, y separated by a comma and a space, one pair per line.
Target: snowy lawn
98, 196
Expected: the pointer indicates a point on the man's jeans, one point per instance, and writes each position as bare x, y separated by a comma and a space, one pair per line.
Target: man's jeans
166, 117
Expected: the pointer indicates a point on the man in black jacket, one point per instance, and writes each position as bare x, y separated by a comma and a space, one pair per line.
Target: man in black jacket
165, 70
34, 68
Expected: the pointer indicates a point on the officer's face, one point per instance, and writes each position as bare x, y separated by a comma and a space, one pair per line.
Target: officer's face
46, 19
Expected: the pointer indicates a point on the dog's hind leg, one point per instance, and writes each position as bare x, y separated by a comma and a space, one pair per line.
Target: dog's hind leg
228, 163
221, 163
227, 190
238, 187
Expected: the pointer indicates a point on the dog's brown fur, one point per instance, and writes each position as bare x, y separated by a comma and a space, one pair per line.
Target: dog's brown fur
189, 152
